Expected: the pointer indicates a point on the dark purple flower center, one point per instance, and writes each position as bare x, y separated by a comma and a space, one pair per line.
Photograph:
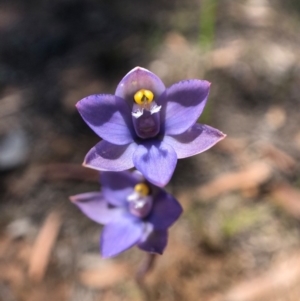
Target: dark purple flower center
145, 114
140, 201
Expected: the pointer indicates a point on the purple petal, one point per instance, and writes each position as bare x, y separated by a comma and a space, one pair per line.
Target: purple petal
95, 207
156, 160
155, 242
116, 186
108, 116
110, 157
182, 105
195, 140
120, 236
166, 210
139, 78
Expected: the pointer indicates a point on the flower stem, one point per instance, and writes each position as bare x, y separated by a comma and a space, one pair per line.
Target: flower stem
146, 266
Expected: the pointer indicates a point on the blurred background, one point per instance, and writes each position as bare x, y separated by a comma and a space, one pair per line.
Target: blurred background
239, 236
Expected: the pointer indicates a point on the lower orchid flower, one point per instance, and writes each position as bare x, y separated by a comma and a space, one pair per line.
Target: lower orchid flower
147, 126
133, 212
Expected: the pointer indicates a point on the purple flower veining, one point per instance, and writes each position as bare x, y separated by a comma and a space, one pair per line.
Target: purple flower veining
133, 211
146, 126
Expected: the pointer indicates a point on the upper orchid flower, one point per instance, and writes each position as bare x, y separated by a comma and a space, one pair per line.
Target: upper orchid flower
147, 126
133, 211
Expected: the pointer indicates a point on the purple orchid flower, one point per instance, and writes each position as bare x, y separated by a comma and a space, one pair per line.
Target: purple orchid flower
133, 211
146, 126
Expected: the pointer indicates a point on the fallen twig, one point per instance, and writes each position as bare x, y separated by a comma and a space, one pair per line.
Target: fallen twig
280, 278
43, 246
288, 198
250, 177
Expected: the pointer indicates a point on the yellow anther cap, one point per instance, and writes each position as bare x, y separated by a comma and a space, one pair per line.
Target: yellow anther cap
143, 96
142, 189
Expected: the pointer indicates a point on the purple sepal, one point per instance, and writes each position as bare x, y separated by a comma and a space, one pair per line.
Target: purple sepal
166, 210
195, 140
136, 79
120, 236
156, 242
109, 117
110, 157
95, 207
156, 160
116, 186
182, 104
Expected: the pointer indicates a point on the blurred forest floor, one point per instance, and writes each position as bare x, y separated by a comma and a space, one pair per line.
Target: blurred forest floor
239, 236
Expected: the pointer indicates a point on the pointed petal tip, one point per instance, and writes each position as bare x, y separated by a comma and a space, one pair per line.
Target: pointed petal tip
159, 184
75, 199
78, 105
79, 102
104, 253
155, 181
207, 84
157, 252
72, 198
138, 68
86, 165
222, 136
107, 256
